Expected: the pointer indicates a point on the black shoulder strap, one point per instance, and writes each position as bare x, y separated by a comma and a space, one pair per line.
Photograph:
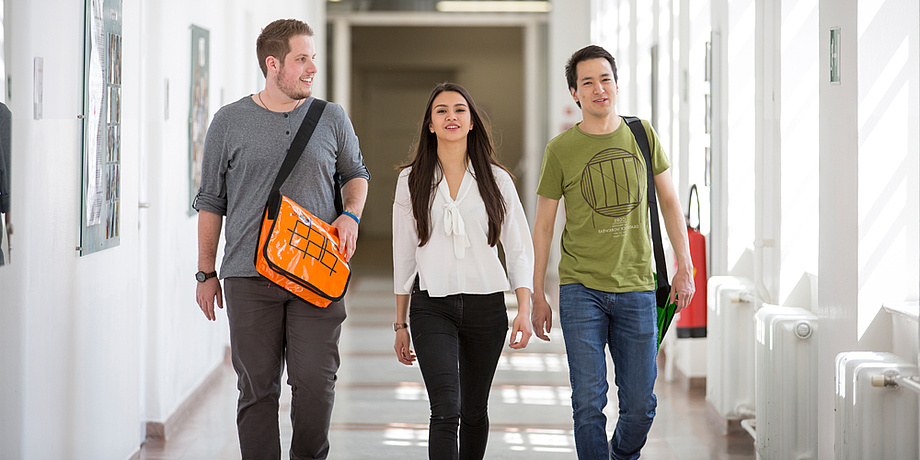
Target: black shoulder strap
295, 151
635, 125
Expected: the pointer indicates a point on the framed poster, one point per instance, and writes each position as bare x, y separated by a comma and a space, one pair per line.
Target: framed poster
198, 108
100, 224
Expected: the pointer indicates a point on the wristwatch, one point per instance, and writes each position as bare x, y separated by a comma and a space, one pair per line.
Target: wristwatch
202, 276
398, 326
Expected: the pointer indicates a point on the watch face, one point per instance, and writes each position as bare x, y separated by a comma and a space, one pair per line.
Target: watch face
200, 276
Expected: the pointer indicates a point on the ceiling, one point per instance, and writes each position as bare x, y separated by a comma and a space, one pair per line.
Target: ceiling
432, 5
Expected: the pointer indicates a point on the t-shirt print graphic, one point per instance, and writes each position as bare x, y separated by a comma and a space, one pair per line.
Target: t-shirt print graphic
611, 182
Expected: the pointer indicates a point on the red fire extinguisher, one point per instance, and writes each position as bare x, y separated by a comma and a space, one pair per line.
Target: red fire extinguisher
692, 321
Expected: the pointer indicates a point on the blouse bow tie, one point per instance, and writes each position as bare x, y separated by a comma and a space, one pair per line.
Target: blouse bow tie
454, 227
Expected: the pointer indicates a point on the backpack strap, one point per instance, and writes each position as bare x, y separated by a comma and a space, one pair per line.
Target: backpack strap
635, 125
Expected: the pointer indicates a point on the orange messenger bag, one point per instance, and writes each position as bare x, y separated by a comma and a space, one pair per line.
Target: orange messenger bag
296, 250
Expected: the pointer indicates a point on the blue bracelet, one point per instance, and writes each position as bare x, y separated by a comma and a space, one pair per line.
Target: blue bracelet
352, 215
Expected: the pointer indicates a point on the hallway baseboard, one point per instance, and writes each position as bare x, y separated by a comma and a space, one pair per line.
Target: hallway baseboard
688, 383
162, 430
723, 426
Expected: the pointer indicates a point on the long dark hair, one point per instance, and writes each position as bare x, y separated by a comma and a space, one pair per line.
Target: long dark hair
481, 154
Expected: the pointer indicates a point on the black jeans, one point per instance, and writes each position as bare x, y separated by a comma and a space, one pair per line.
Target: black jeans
458, 340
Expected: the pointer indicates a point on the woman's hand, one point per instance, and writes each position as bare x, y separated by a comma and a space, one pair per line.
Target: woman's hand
521, 330
403, 353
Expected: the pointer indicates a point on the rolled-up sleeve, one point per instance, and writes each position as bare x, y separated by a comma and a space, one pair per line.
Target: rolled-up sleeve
212, 194
349, 163
405, 237
515, 236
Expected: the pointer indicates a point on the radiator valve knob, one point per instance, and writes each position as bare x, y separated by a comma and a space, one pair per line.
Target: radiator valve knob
803, 330
887, 379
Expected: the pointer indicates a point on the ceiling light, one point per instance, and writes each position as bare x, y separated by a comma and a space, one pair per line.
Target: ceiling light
494, 7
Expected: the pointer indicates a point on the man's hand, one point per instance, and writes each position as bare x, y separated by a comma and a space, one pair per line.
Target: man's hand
207, 294
676, 224
682, 288
542, 316
348, 235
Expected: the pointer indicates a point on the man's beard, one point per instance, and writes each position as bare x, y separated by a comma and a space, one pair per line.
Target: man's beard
290, 89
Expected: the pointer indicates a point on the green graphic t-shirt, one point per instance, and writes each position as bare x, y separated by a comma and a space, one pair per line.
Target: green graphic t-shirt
605, 243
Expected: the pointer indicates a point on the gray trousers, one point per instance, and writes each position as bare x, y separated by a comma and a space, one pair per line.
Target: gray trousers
269, 326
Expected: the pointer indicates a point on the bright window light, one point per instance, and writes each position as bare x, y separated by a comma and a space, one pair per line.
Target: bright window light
494, 7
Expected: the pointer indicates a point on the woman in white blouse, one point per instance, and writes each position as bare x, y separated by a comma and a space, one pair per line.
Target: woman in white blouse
454, 203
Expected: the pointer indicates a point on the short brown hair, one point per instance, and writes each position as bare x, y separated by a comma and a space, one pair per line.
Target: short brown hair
275, 40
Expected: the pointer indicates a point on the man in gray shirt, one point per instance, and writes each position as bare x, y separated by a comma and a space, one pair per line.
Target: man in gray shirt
245, 146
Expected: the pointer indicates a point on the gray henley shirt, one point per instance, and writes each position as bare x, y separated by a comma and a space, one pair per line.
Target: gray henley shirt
244, 149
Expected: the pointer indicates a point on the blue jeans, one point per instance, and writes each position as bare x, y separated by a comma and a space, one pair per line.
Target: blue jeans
458, 340
626, 323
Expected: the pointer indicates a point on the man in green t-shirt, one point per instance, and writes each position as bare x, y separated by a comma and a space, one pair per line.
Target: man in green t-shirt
607, 286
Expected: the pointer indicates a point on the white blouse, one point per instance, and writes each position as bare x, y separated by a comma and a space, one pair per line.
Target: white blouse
457, 258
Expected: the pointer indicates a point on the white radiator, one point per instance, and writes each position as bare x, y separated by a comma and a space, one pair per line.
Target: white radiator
730, 347
786, 383
874, 422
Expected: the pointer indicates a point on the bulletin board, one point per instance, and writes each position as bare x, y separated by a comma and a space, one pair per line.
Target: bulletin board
100, 222
198, 108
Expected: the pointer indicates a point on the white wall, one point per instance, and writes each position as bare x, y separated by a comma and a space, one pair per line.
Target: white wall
889, 194
77, 349
798, 227
887, 210
90, 351
736, 34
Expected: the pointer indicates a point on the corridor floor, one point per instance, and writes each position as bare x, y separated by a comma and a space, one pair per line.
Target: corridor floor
381, 408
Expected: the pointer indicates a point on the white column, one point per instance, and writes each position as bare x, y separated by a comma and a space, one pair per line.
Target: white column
838, 222
569, 31
533, 143
718, 137
341, 44
767, 159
